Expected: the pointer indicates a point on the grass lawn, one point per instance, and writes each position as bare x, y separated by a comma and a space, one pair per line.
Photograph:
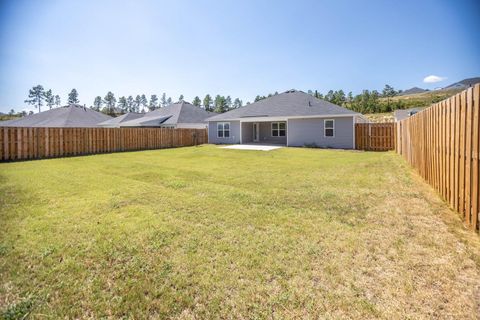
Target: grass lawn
203, 232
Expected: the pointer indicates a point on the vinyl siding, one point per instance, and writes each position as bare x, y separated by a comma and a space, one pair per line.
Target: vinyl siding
266, 134
234, 133
191, 125
310, 131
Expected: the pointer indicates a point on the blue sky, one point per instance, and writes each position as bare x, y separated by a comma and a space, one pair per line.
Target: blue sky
237, 48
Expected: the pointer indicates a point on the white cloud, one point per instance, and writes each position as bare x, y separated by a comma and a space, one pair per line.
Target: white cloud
433, 79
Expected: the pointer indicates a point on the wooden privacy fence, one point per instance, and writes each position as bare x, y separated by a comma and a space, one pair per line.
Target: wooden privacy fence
36, 143
442, 144
375, 136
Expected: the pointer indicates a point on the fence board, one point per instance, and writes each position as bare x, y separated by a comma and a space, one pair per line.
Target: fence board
37, 143
375, 136
443, 144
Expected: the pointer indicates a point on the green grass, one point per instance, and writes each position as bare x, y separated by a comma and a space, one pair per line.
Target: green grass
204, 232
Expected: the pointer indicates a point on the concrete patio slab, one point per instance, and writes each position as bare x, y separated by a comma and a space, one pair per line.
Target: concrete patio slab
257, 147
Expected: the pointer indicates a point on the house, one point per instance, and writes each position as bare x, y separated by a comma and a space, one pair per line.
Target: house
71, 116
176, 115
405, 113
292, 118
117, 121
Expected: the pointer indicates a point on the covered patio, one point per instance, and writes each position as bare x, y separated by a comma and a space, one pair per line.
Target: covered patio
263, 132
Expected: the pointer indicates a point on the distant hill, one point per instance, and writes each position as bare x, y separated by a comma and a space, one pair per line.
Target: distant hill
413, 90
465, 83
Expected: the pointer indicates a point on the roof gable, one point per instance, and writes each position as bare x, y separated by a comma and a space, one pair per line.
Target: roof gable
123, 118
68, 116
180, 112
291, 103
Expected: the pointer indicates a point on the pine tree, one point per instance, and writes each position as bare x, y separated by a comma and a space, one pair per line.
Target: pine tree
138, 103
143, 102
258, 98
388, 91
49, 98
207, 103
350, 97
196, 101
228, 103
180, 99
329, 96
220, 104
130, 104
73, 97
153, 102
36, 96
57, 101
169, 100
110, 102
237, 103
163, 100
122, 104
97, 103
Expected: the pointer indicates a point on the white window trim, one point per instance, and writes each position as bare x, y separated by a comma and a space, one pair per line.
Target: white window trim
271, 129
223, 129
325, 128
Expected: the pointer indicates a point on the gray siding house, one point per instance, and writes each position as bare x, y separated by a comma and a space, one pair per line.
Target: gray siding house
293, 118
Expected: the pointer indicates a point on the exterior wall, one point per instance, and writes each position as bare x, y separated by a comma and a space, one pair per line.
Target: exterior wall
247, 132
234, 133
266, 134
192, 125
310, 131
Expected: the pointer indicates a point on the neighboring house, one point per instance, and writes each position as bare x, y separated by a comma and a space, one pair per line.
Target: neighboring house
400, 114
71, 116
177, 115
117, 121
292, 118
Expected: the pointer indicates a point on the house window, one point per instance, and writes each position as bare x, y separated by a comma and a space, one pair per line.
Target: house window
278, 129
329, 126
223, 130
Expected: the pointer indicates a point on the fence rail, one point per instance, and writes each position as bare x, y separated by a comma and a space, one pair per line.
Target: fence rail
18, 143
375, 136
442, 144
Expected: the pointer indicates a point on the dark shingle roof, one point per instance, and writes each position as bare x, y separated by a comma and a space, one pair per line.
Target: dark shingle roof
117, 121
180, 112
288, 104
72, 116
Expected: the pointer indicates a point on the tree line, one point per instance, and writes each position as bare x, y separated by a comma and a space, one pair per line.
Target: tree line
38, 97
365, 102
110, 105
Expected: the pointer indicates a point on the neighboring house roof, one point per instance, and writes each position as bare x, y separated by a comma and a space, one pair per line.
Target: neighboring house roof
175, 113
5, 122
117, 121
73, 116
401, 114
292, 103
